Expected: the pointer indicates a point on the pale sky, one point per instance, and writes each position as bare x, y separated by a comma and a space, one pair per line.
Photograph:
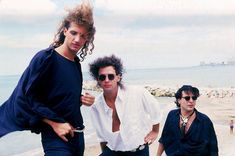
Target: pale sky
144, 33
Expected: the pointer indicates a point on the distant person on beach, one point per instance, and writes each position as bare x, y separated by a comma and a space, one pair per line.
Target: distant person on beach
187, 132
231, 125
47, 98
126, 118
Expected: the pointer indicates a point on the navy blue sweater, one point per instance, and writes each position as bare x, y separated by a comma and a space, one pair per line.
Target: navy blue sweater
50, 87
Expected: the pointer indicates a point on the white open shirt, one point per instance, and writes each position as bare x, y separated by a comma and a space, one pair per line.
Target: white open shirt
138, 111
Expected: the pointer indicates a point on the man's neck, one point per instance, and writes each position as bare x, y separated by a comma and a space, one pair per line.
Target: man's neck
110, 97
185, 113
65, 53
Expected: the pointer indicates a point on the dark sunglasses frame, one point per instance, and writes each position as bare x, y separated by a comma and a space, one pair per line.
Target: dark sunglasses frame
102, 77
187, 98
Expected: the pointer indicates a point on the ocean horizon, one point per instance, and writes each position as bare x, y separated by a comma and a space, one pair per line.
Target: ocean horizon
205, 76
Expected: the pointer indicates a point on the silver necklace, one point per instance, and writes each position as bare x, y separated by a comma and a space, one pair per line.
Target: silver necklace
184, 122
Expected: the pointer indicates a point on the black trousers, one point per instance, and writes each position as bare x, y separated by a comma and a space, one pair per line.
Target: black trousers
55, 146
109, 152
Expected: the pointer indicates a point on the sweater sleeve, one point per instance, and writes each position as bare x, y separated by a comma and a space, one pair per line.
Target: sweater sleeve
35, 75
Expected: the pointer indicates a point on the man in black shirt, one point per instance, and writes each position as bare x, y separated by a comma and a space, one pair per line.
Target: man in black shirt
187, 132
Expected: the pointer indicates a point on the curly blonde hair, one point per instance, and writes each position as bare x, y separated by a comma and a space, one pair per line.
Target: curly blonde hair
81, 15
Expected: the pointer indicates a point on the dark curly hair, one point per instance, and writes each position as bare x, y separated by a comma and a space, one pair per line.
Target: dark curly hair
106, 61
187, 89
81, 15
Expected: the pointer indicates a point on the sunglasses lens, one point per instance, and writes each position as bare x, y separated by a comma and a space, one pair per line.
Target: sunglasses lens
102, 77
194, 98
111, 76
187, 98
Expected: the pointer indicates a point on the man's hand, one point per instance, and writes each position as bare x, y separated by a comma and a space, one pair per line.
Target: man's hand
61, 129
87, 99
152, 135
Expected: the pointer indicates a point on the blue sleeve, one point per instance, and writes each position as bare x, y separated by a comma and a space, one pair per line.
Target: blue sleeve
164, 136
213, 145
36, 74
25, 109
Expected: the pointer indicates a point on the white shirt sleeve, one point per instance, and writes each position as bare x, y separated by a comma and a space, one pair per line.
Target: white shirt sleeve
152, 107
95, 122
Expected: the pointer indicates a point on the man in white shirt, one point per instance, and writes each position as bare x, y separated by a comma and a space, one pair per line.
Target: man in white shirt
126, 118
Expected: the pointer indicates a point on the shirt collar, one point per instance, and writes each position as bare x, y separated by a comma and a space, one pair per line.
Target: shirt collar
106, 107
121, 93
120, 96
198, 116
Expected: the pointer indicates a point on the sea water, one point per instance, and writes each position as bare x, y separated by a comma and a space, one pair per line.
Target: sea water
205, 76
201, 76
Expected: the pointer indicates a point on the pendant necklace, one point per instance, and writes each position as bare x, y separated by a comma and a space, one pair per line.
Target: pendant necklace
184, 122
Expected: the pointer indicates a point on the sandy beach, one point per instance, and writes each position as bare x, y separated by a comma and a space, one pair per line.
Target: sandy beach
220, 111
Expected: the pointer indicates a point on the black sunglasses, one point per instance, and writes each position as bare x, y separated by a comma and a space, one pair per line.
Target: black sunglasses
102, 77
187, 98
